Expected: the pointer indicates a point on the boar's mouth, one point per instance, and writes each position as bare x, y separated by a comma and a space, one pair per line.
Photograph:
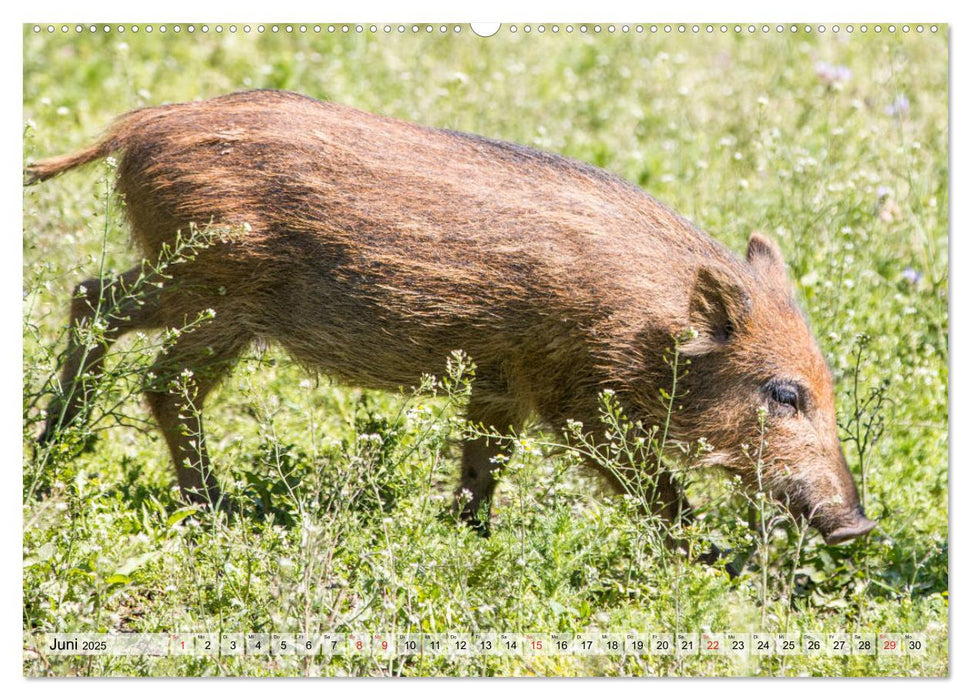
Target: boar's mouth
854, 524
836, 522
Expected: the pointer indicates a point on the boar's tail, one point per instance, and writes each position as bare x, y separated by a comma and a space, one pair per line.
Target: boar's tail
49, 167
113, 140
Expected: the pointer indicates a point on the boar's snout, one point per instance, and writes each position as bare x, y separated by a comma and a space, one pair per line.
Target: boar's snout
854, 524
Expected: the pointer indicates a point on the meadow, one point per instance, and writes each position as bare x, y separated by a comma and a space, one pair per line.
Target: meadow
834, 144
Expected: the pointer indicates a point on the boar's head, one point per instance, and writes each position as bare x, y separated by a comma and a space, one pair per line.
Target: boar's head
752, 349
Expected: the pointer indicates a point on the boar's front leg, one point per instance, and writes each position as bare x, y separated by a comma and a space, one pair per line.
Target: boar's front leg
473, 498
663, 496
667, 500
185, 373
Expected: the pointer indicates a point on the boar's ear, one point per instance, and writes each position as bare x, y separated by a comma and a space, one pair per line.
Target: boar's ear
765, 257
719, 308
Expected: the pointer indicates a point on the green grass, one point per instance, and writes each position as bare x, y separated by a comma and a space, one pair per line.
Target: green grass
739, 133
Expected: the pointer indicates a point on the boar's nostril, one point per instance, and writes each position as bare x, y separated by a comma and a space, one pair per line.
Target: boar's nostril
859, 527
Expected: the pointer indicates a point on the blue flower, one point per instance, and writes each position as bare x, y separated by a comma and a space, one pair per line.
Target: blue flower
833, 76
912, 275
899, 108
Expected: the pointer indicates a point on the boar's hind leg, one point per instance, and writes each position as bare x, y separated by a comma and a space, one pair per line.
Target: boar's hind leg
479, 473
185, 373
115, 305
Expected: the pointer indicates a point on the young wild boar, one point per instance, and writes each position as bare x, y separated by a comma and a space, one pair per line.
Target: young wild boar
368, 247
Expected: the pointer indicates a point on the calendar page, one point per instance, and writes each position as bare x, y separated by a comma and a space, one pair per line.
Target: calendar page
516, 349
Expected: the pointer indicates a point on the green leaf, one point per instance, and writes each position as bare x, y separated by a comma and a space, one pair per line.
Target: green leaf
134, 563
180, 515
43, 554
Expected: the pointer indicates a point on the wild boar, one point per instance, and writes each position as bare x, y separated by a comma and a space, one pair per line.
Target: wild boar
367, 247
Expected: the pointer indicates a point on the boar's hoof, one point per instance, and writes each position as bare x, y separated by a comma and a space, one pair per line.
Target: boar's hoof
479, 527
714, 555
476, 524
858, 528
212, 499
45, 437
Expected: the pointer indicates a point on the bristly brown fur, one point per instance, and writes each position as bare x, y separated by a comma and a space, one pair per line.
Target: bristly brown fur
372, 247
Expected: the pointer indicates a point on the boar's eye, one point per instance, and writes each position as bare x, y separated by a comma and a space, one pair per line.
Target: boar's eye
784, 394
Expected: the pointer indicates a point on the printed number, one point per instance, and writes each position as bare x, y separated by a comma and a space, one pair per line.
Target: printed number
562, 645
839, 645
687, 644
208, 645
283, 645
864, 645
259, 645
232, 645
384, 645
333, 644
663, 645
586, 644
309, 645
537, 644
613, 645
435, 645
813, 645
485, 645
637, 645
738, 645
511, 644
914, 644
890, 645
788, 645
712, 645
762, 646
460, 645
